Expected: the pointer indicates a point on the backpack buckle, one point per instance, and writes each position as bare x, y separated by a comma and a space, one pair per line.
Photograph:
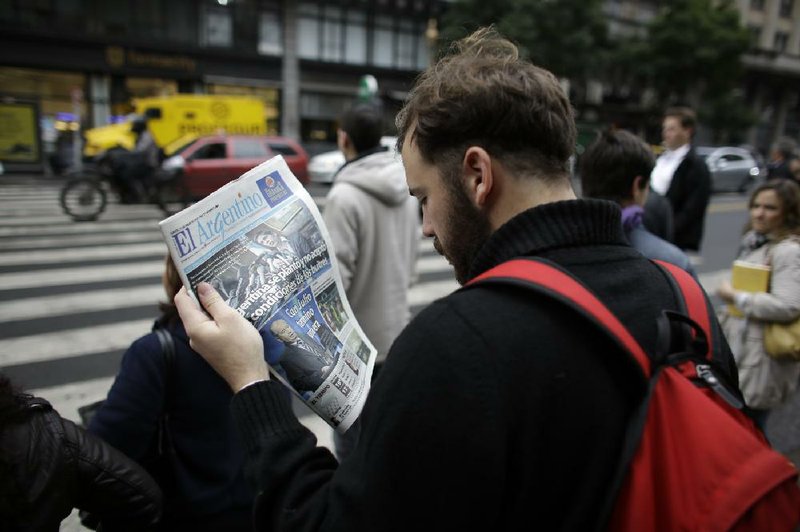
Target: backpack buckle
705, 373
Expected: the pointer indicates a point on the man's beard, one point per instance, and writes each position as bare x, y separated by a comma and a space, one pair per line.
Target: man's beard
466, 230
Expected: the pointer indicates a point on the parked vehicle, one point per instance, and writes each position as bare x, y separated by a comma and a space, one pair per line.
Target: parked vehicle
322, 167
207, 163
170, 118
732, 169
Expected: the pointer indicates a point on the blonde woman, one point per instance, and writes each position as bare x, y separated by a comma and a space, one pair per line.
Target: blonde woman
772, 238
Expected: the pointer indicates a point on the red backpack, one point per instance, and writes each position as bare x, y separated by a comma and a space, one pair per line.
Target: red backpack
691, 459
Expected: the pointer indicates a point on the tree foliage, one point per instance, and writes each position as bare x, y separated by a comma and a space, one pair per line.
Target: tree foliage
695, 47
568, 37
690, 54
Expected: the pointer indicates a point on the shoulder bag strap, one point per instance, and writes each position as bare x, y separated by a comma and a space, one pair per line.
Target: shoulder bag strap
164, 442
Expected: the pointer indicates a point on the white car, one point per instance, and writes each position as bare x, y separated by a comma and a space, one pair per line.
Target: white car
322, 167
732, 169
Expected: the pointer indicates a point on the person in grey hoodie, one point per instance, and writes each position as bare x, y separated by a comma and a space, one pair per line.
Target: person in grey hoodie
375, 229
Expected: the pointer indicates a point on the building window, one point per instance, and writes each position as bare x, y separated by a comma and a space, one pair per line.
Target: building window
757, 5
383, 42
269, 34
217, 29
399, 43
355, 44
785, 10
755, 35
308, 31
407, 37
781, 39
332, 38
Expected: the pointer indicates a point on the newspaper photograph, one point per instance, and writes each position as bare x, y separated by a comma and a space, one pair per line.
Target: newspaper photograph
260, 241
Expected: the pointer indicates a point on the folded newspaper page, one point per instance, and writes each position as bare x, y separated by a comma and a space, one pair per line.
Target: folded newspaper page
260, 241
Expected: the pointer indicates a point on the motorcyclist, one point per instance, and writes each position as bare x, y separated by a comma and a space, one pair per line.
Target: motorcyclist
137, 167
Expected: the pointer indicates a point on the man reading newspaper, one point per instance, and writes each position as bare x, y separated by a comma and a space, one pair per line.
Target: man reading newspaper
495, 409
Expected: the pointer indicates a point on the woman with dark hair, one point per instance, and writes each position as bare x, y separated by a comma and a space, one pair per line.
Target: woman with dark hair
48, 466
204, 486
772, 238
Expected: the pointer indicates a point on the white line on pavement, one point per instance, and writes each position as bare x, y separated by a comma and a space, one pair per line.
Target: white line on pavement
78, 240
93, 300
75, 342
56, 256
61, 276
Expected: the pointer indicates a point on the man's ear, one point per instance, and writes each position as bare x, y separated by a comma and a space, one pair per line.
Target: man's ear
478, 175
342, 139
639, 192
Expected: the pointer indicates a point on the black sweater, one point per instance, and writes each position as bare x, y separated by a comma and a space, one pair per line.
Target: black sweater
496, 408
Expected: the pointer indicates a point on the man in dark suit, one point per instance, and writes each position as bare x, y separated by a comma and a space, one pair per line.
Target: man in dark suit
683, 178
305, 362
782, 155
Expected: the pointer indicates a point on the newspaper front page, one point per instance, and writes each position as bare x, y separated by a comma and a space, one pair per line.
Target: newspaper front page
260, 241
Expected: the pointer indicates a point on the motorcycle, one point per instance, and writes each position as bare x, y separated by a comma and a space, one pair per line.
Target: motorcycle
86, 192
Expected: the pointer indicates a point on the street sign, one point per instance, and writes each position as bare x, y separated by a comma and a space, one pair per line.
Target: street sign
367, 87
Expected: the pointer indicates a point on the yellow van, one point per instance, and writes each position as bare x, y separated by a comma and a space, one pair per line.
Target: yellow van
175, 120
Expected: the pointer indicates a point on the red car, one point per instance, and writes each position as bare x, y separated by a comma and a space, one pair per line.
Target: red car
210, 162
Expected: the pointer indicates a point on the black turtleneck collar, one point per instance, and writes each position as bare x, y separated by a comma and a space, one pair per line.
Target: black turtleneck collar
550, 226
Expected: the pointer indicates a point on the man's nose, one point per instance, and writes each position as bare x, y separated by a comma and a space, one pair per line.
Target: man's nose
427, 227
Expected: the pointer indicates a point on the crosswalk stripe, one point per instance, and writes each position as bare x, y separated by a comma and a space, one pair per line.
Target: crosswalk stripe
432, 263
67, 398
64, 219
61, 276
34, 232
81, 240
56, 256
65, 344
95, 300
79, 228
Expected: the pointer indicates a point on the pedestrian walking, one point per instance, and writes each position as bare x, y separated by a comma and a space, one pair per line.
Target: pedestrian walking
617, 167
782, 157
683, 178
203, 476
772, 239
375, 230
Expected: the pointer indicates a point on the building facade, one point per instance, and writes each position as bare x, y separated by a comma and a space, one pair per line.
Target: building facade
771, 81
81, 62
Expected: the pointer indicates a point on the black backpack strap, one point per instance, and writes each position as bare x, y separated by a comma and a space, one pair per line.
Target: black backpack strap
708, 368
163, 439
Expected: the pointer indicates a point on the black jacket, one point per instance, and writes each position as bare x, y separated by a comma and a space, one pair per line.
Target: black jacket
658, 217
689, 193
207, 472
496, 409
52, 466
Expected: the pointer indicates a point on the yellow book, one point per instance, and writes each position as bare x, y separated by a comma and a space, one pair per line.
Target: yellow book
748, 277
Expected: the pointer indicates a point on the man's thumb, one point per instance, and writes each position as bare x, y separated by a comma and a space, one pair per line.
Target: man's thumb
211, 300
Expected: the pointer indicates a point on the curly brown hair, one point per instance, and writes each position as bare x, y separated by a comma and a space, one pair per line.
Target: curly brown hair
788, 193
172, 285
483, 94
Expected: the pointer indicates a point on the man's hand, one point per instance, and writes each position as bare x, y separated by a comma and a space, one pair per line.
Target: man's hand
226, 340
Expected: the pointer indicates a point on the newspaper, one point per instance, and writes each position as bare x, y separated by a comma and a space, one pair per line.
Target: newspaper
260, 241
